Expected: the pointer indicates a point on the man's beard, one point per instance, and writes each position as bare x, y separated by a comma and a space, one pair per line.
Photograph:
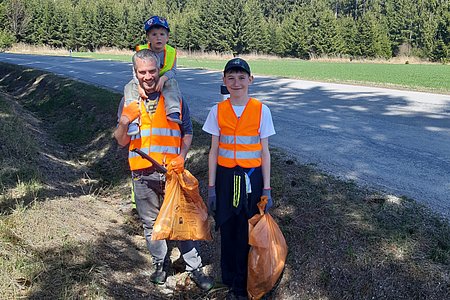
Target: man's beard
149, 87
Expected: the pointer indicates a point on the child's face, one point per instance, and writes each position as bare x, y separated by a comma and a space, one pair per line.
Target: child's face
158, 38
237, 83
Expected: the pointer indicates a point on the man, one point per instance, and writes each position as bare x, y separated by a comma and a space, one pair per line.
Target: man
168, 143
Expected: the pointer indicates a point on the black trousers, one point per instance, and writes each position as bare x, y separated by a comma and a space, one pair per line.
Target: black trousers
233, 223
234, 253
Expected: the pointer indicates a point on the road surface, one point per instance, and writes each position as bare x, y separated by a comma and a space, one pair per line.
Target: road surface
392, 140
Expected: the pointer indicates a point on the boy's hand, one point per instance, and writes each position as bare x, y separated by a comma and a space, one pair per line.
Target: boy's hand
131, 111
141, 92
161, 82
267, 192
212, 200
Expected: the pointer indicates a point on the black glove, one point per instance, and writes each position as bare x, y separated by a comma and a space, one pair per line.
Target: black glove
211, 200
267, 192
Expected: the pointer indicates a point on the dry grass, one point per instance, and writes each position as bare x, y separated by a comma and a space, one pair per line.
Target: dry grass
223, 56
33, 49
394, 60
344, 242
46, 50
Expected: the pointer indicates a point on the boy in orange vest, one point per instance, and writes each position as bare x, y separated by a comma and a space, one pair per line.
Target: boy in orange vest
157, 32
239, 169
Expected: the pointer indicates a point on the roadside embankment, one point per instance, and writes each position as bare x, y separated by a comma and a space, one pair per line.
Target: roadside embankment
67, 231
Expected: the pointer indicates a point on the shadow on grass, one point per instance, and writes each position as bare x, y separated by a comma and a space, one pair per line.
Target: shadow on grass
90, 270
114, 266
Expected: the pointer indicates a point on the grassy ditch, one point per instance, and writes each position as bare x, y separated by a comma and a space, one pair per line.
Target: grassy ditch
19, 174
56, 158
71, 237
78, 116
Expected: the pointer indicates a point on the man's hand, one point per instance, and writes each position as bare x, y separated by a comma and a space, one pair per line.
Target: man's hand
212, 200
177, 164
131, 111
162, 80
267, 192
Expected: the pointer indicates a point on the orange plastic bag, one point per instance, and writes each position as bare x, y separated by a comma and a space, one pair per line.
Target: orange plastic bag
267, 254
183, 214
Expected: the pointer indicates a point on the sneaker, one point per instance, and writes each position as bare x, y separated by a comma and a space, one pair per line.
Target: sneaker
133, 129
233, 296
174, 117
201, 280
159, 276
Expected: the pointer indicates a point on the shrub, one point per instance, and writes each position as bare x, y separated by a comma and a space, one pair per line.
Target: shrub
6, 40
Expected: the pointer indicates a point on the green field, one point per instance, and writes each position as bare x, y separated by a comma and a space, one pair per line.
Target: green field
420, 77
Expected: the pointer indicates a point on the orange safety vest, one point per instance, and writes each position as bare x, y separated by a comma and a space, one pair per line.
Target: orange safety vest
158, 137
170, 56
239, 141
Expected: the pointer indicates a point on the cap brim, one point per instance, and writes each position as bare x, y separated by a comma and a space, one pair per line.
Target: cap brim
237, 68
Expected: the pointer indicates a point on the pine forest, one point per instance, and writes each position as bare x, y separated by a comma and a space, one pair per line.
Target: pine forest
290, 28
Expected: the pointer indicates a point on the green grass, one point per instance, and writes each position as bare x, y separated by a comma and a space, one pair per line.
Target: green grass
420, 77
76, 114
416, 77
95, 55
73, 109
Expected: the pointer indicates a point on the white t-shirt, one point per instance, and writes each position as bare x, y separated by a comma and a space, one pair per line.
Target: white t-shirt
266, 128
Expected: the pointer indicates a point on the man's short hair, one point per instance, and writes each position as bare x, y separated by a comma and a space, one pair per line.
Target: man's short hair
146, 54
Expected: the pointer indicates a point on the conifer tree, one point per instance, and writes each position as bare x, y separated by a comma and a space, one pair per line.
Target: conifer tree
402, 16
254, 32
373, 37
274, 31
324, 36
295, 34
349, 33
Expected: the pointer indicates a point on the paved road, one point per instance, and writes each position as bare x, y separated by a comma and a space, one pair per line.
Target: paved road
397, 141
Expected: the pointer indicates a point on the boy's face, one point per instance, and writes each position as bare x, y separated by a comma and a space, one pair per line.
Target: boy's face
158, 38
237, 82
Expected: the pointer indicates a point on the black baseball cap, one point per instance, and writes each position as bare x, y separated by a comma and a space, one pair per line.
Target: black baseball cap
237, 63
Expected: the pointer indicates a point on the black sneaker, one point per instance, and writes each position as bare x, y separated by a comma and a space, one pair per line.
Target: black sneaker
159, 276
174, 117
201, 280
232, 296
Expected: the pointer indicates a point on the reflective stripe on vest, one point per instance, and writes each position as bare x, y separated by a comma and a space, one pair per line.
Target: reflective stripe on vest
157, 131
158, 137
170, 56
239, 141
240, 154
153, 149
